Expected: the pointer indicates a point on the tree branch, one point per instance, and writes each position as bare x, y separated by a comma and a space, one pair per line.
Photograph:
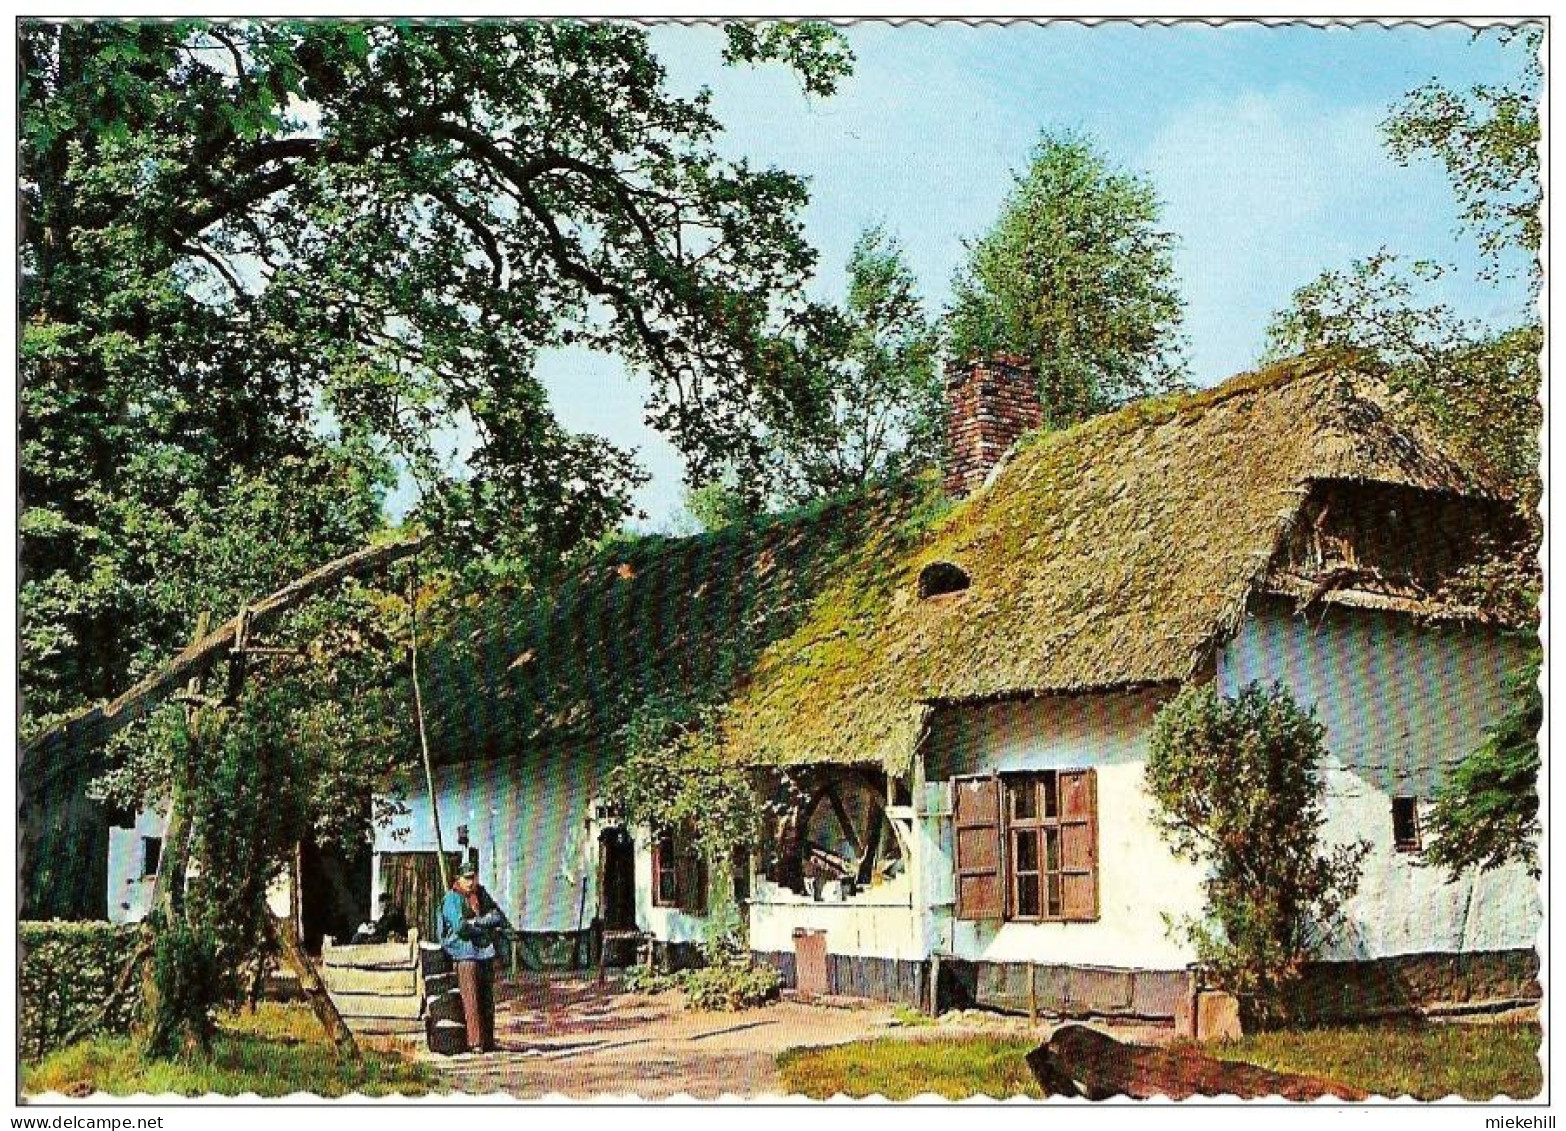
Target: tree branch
96, 725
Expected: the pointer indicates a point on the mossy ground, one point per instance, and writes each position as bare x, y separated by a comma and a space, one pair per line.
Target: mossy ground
277, 1051
1476, 1062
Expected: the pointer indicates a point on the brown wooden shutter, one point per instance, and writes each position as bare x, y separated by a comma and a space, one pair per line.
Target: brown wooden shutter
690, 874
1079, 844
976, 836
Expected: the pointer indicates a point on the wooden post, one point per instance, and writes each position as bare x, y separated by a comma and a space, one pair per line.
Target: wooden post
295, 958
1033, 995
418, 711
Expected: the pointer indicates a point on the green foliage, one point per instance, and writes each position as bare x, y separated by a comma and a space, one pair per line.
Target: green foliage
727, 981
729, 987
227, 304
817, 52
1487, 812
1076, 276
674, 775
876, 406
66, 976
295, 758
190, 977
651, 980
1238, 790
1487, 138
717, 504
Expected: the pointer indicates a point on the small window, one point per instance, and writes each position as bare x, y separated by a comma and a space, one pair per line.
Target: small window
1405, 824
151, 853
679, 873
940, 578
666, 887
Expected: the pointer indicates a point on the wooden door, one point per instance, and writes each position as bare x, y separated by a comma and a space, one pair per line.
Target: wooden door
413, 880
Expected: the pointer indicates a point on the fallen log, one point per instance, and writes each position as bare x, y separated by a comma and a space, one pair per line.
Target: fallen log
1083, 1062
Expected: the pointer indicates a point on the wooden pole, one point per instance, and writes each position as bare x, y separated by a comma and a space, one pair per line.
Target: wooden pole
96, 725
170, 879
418, 711
286, 940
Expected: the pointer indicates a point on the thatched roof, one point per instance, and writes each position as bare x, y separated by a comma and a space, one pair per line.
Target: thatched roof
1116, 554
1119, 553
645, 619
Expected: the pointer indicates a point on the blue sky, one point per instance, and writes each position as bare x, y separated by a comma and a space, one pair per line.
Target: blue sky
1263, 144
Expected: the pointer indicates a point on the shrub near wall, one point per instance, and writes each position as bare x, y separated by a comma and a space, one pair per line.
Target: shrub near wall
68, 973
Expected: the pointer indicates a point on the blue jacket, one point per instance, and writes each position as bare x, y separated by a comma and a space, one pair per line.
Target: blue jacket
465, 936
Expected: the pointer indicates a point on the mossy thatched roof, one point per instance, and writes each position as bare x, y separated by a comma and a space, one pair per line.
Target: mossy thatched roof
645, 619
1115, 554
1118, 553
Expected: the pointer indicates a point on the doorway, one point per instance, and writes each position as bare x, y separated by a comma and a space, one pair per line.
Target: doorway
617, 880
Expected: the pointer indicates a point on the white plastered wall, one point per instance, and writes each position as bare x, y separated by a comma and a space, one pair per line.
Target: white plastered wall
1401, 704
130, 892
1139, 879
528, 817
532, 818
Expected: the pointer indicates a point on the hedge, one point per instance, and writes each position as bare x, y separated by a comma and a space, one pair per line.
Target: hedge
68, 972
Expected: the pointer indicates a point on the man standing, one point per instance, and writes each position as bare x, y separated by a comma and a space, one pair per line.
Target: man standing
471, 924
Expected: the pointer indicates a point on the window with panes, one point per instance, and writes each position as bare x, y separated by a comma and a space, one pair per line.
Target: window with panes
1027, 846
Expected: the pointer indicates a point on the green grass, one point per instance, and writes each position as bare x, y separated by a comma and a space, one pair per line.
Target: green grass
1427, 1062
953, 1067
277, 1051
1477, 1062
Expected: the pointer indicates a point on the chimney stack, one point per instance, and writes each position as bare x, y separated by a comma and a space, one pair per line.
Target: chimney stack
989, 404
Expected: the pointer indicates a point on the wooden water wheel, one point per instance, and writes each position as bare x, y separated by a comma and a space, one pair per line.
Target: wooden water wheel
841, 833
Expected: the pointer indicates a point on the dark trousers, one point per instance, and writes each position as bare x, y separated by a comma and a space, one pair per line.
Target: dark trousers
475, 981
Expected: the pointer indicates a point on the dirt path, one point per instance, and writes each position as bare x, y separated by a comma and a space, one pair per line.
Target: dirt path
574, 1039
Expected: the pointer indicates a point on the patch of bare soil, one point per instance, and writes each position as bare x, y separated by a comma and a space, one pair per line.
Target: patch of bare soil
573, 1037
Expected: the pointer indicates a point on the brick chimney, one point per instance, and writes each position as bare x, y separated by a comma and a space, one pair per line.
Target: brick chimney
989, 404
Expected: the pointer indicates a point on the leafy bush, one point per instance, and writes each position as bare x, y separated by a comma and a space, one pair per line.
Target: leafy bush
729, 987
68, 974
649, 980
728, 981
1237, 785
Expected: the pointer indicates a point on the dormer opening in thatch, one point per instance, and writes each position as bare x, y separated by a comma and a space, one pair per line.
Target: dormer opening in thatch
1389, 538
940, 579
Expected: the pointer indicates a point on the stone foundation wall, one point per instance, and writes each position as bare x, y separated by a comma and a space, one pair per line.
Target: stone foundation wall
1414, 984
850, 975
1079, 992
1410, 985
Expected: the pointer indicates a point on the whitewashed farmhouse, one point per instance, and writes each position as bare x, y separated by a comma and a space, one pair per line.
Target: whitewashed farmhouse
949, 694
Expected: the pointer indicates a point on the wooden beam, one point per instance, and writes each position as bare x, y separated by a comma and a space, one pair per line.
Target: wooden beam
1078, 1061
286, 940
94, 726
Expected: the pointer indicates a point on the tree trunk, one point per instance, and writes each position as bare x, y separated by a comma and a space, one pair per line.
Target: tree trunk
295, 958
1078, 1061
